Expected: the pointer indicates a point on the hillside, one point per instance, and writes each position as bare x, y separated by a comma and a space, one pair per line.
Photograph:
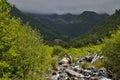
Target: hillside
69, 26
47, 33
64, 27
96, 35
22, 52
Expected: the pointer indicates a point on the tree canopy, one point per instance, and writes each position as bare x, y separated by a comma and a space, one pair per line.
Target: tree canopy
22, 53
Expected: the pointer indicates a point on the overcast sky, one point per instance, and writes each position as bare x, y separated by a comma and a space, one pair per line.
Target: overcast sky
66, 6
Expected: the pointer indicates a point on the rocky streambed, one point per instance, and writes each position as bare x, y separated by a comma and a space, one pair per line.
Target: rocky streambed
68, 70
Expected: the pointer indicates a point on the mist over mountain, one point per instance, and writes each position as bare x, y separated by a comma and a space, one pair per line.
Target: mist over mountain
66, 6
35, 24
70, 25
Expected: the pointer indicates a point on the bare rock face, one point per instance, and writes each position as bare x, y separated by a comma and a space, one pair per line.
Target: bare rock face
67, 70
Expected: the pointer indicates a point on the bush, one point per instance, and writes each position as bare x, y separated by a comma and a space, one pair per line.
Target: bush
111, 52
58, 51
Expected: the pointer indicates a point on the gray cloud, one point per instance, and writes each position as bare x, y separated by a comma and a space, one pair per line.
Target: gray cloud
66, 6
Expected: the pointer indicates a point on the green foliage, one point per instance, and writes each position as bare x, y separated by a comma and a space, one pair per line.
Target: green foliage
58, 50
22, 53
112, 53
76, 52
97, 64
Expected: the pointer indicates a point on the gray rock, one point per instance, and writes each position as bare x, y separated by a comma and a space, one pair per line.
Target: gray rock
55, 77
104, 78
67, 70
73, 73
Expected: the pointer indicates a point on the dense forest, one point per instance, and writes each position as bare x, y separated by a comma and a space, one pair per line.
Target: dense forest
25, 56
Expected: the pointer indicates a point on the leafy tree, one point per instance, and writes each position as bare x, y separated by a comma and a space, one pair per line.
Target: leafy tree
22, 53
112, 53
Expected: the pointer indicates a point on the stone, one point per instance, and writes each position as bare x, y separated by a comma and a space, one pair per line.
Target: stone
55, 76
73, 73
67, 70
96, 56
65, 60
104, 78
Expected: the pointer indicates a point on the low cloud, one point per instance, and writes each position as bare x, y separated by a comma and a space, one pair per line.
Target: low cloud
66, 6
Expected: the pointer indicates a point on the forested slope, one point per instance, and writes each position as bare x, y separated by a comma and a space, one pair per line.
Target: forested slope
69, 25
22, 53
46, 32
102, 30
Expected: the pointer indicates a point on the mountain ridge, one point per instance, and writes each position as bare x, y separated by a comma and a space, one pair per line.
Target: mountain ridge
70, 24
65, 27
46, 33
99, 32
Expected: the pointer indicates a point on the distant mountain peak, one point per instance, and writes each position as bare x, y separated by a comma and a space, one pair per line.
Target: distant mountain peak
89, 12
93, 13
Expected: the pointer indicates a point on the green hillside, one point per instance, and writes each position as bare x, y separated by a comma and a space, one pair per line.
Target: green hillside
46, 32
22, 52
68, 25
62, 27
102, 30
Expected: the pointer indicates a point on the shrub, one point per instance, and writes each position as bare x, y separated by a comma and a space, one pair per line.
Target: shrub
111, 52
